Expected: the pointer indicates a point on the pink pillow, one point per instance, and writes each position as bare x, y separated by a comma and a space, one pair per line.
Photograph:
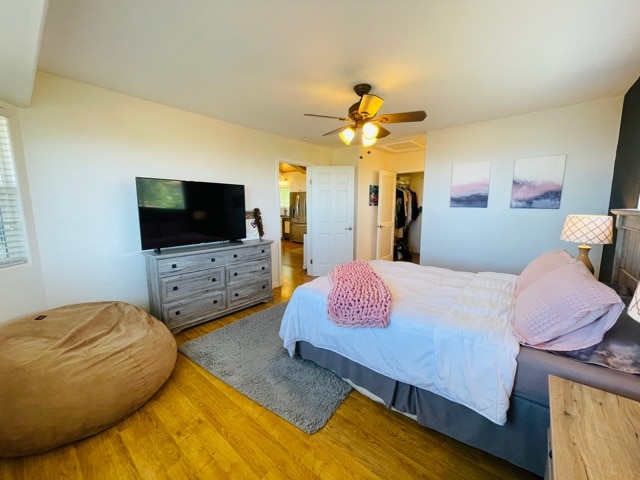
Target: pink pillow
540, 266
565, 309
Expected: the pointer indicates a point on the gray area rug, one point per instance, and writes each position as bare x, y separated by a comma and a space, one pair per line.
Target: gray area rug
248, 355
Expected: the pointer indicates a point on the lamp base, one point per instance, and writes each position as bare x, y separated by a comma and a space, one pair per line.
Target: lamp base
583, 256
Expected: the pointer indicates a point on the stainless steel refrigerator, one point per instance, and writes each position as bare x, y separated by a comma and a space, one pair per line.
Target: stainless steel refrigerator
298, 216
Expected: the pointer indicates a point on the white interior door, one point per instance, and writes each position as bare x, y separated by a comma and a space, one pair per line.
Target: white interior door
386, 215
331, 192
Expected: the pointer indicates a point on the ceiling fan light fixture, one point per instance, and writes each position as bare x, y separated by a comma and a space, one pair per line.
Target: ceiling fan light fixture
370, 130
347, 135
368, 141
364, 115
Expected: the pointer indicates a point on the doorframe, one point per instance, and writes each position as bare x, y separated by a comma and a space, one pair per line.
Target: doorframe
278, 239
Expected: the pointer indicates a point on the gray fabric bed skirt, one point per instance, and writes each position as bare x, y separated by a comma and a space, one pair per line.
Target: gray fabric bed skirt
521, 441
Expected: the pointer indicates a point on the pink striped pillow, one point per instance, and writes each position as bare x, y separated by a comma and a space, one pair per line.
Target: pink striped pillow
565, 309
542, 265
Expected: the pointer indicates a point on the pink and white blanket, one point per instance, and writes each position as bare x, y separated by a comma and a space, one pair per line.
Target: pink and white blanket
358, 296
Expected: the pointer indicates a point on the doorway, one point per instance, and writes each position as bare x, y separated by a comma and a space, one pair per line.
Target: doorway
409, 196
292, 184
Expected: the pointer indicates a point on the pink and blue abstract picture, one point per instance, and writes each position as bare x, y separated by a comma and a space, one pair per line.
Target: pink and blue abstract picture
537, 182
470, 185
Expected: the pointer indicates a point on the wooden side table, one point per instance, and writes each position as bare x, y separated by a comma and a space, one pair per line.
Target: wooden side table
594, 434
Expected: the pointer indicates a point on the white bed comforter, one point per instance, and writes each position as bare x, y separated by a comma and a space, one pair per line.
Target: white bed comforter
449, 332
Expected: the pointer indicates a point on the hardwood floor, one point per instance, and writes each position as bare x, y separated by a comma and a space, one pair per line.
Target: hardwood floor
196, 427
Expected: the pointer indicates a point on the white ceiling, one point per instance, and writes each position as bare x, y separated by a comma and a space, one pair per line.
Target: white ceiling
262, 64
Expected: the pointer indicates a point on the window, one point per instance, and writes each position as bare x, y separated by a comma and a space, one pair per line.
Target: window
13, 248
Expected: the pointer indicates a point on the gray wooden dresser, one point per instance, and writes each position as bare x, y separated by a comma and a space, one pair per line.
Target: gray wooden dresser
197, 284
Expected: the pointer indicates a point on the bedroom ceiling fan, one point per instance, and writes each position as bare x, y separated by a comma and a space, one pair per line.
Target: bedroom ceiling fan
362, 115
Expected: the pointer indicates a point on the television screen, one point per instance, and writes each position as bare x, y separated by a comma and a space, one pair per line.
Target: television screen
175, 212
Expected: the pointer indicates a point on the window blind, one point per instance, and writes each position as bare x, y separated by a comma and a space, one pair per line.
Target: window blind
13, 247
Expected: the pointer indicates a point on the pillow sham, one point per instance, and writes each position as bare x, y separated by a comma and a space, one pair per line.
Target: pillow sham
540, 266
565, 309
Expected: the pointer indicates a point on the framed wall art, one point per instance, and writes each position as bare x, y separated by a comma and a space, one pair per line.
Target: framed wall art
373, 195
470, 185
537, 182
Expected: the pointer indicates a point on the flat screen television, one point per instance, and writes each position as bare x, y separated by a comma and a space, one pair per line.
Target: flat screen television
175, 213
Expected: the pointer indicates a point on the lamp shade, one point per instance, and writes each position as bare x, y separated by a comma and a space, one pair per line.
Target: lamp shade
368, 141
589, 229
634, 306
347, 135
370, 130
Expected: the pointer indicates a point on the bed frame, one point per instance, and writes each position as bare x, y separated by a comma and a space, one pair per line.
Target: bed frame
626, 262
523, 440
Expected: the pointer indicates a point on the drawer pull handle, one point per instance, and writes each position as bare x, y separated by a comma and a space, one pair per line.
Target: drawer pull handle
263, 250
213, 279
264, 286
177, 312
263, 268
235, 274
175, 288
213, 259
173, 265
236, 294
215, 301
235, 255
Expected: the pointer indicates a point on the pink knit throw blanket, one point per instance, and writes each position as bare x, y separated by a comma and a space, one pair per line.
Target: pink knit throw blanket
358, 296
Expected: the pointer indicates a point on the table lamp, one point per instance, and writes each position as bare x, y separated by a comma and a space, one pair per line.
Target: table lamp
587, 229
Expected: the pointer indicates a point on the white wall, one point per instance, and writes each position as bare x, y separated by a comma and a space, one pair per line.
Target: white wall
84, 145
499, 238
21, 286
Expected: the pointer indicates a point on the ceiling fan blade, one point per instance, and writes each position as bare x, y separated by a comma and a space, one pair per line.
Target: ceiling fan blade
337, 130
369, 105
342, 119
416, 116
382, 132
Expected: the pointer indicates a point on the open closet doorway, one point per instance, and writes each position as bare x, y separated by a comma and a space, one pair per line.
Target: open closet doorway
409, 194
293, 223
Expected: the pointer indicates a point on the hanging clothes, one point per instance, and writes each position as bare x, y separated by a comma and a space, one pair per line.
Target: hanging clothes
407, 209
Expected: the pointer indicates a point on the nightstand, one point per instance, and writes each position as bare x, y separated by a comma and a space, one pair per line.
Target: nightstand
594, 434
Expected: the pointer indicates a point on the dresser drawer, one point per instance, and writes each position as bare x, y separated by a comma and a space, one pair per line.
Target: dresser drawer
180, 312
177, 286
249, 292
249, 253
248, 272
190, 263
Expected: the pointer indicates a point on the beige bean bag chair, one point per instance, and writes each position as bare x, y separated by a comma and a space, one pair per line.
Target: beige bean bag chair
73, 371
